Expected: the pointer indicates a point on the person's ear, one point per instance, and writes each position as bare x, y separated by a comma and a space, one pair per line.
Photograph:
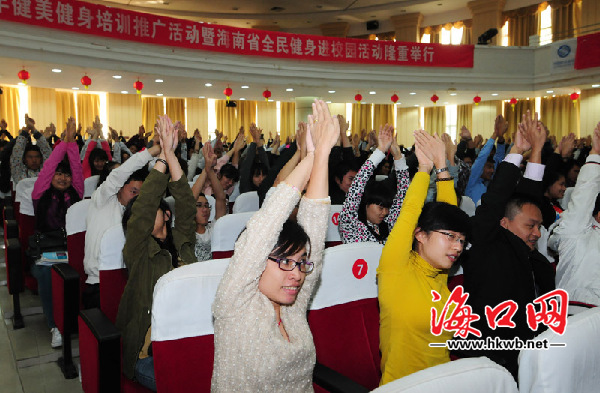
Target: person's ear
337, 181
167, 215
420, 235
504, 222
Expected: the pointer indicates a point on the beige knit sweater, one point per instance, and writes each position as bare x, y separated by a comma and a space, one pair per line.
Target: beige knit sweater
251, 355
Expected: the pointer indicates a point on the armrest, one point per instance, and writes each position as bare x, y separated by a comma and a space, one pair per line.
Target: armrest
65, 297
9, 212
14, 266
335, 382
11, 228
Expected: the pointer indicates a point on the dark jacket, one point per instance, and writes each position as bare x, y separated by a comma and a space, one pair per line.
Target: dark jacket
147, 262
500, 266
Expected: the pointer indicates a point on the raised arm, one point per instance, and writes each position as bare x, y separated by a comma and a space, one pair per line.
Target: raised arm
402, 183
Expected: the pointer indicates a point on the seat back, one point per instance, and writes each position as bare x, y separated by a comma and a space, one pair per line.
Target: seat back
23, 196
26, 222
571, 368
344, 312
477, 375
182, 331
76, 226
467, 205
333, 233
89, 186
225, 232
112, 271
381, 177
246, 202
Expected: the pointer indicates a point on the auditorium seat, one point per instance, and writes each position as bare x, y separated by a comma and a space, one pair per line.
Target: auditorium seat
89, 186
225, 233
333, 233
112, 271
246, 202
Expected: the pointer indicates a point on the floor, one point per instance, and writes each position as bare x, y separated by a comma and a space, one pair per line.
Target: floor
27, 362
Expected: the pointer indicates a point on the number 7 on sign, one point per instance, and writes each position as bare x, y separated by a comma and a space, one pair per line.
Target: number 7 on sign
360, 268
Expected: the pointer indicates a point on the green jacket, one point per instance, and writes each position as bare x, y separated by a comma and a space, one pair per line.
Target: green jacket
147, 262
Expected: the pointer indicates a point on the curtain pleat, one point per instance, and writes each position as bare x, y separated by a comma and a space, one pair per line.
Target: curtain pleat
288, 119
152, 107
560, 115
176, 110
43, 107
65, 108
266, 117
435, 120
464, 116
383, 114
514, 116
125, 113
407, 122
566, 18
361, 118
9, 109
197, 116
522, 23
88, 107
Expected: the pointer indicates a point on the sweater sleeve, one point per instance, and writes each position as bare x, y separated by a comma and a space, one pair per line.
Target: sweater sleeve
106, 148
76, 170
87, 171
477, 167
45, 148
184, 237
17, 167
403, 181
44, 179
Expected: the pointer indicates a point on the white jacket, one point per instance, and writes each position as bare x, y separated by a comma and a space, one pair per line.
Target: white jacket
577, 238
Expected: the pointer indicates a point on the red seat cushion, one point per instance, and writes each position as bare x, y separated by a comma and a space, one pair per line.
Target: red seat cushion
76, 250
112, 285
89, 358
58, 293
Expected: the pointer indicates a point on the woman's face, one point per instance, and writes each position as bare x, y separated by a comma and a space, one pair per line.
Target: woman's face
376, 213
440, 248
258, 178
385, 168
61, 181
557, 189
280, 286
99, 163
160, 224
202, 211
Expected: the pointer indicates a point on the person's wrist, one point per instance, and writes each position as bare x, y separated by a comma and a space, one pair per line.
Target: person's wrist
425, 168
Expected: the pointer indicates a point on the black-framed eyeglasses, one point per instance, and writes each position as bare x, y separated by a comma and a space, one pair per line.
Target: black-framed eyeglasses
287, 264
206, 205
453, 238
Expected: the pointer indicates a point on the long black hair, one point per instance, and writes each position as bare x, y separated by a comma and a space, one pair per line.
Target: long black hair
291, 240
94, 155
378, 193
443, 216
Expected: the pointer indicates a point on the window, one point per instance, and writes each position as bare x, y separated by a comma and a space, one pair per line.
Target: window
451, 120
546, 26
426, 39
445, 37
456, 35
504, 34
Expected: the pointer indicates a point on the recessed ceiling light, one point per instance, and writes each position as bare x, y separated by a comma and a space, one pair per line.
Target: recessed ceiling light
289, 89
446, 103
372, 92
549, 91
117, 76
594, 86
331, 91
124, 92
242, 99
553, 95
57, 70
75, 88
245, 87
412, 93
159, 94
158, 81
416, 104
201, 97
453, 94
328, 102
270, 100
494, 94
21, 84
208, 84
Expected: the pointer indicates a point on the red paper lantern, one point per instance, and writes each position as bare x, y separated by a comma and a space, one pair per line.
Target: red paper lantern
394, 98
574, 97
477, 100
513, 102
358, 98
267, 94
228, 92
23, 75
86, 81
434, 98
138, 86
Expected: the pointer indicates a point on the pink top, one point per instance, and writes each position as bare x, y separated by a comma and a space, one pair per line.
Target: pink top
44, 179
87, 171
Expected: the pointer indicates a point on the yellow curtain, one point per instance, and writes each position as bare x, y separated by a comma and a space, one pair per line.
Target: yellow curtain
435, 120
229, 120
383, 114
176, 110
266, 117
566, 18
197, 116
9, 109
522, 23
361, 118
434, 33
464, 117
560, 115
407, 121
247, 114
43, 107
65, 108
514, 116
125, 113
588, 115
152, 107
467, 37
88, 107
287, 125
484, 117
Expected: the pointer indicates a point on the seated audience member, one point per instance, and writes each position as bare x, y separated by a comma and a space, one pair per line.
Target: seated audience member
153, 248
27, 159
228, 175
577, 237
343, 175
203, 249
483, 168
58, 186
572, 170
4, 132
554, 189
263, 296
120, 152
94, 158
503, 263
371, 208
252, 172
106, 210
423, 245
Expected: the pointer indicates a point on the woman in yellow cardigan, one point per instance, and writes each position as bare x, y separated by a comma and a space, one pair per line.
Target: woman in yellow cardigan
423, 245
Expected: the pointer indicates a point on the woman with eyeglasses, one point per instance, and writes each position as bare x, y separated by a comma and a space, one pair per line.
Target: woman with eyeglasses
371, 207
423, 245
262, 339
203, 249
58, 186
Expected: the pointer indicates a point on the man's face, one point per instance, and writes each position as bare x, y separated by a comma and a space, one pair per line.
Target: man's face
573, 173
346, 181
128, 191
226, 182
526, 224
33, 160
488, 171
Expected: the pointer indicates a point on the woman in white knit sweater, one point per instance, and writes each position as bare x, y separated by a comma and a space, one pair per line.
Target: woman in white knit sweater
262, 339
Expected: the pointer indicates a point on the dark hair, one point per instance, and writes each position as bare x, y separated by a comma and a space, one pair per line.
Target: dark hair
441, 215
516, 203
64, 167
258, 168
340, 170
596, 206
96, 154
5, 166
167, 244
139, 175
230, 172
31, 147
106, 171
378, 193
551, 177
291, 240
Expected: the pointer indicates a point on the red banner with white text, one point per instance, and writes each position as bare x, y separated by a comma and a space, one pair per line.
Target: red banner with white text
588, 51
86, 18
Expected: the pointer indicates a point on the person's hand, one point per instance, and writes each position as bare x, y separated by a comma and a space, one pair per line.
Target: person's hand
596, 140
218, 134
115, 135
155, 150
300, 138
425, 163
478, 140
276, 141
465, 134
323, 128
434, 148
395, 149
70, 131
90, 132
384, 139
79, 128
355, 140
535, 135
567, 144
363, 134
167, 134
141, 131
521, 144
97, 126
239, 142
449, 146
47, 132
254, 133
3, 124
344, 125
29, 123
500, 128
210, 158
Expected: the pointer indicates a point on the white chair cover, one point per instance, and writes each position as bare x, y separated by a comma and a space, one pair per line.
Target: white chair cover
23, 196
246, 202
89, 186
227, 229
197, 283
572, 368
380, 177
76, 219
235, 193
333, 232
211, 200
111, 248
473, 375
467, 205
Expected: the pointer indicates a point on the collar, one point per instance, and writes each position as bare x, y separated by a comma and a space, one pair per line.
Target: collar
424, 266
